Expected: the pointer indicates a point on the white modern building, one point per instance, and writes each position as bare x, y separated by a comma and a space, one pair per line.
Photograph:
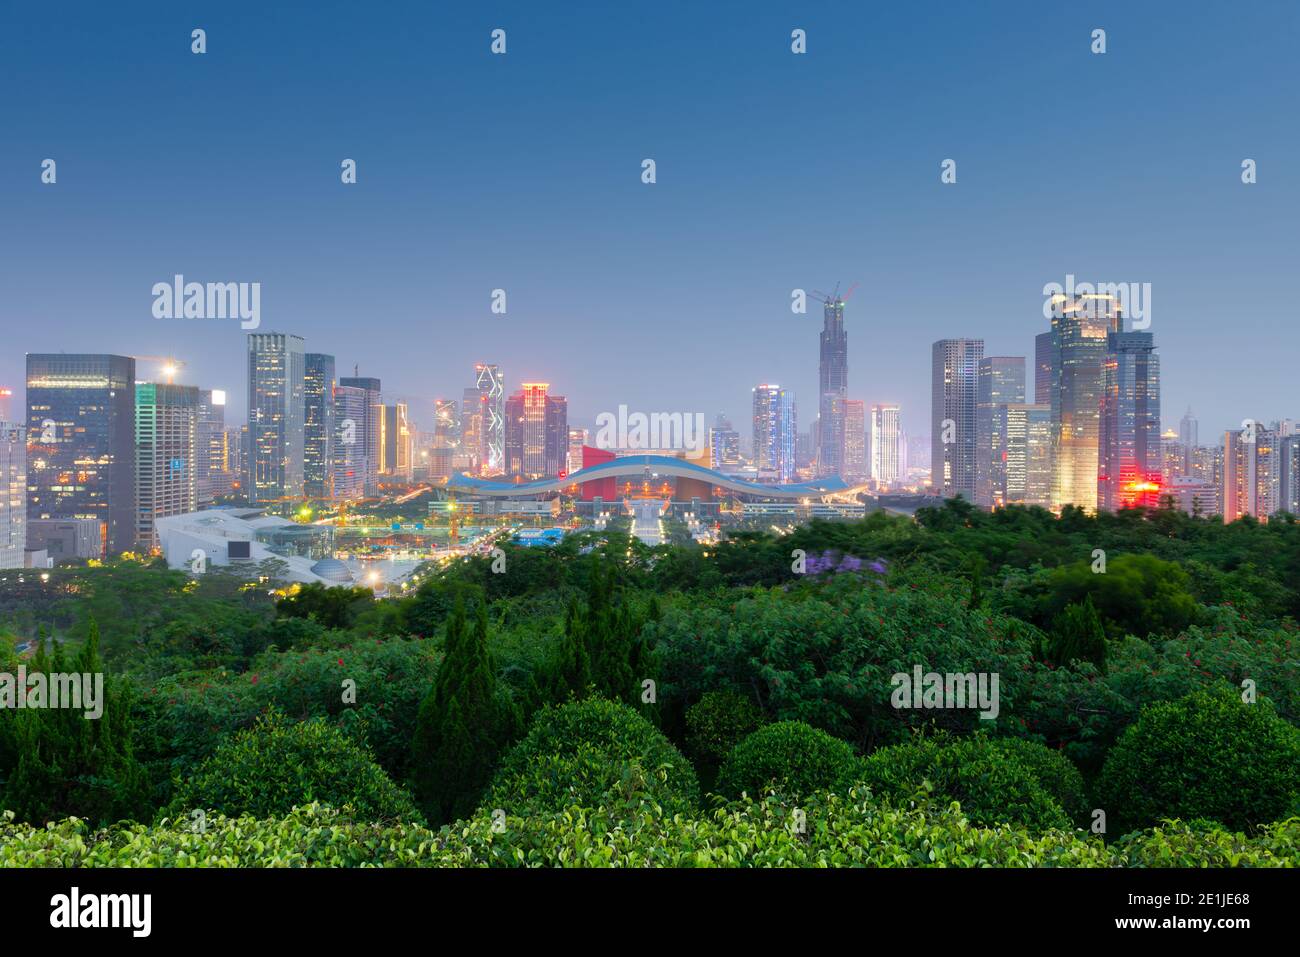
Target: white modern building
247, 536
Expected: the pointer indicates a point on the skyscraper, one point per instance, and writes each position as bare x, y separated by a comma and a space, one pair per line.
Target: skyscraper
318, 425
536, 432
1028, 469
1080, 325
365, 429
491, 389
13, 494
213, 467
724, 444
351, 452
276, 377
886, 443
1288, 472
557, 435
166, 455
577, 439
775, 423
81, 442
446, 423
1189, 430
1251, 469
1043, 368
954, 384
1130, 465
855, 440
1000, 381
394, 442
833, 388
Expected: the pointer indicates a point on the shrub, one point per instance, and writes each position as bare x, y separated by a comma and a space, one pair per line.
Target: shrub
1206, 755
789, 757
717, 723
995, 781
591, 752
276, 765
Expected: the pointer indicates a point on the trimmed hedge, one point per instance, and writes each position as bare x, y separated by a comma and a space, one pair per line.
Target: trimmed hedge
718, 722
589, 753
846, 831
270, 768
1207, 755
995, 780
789, 757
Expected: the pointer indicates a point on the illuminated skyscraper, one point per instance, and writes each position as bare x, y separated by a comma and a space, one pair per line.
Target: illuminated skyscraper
855, 440
81, 442
491, 417
214, 470
446, 424
1000, 381
536, 432
395, 442
166, 442
1028, 431
557, 435
1080, 326
351, 453
276, 377
13, 494
954, 386
365, 428
724, 444
1288, 472
1130, 464
775, 424
1043, 368
886, 443
1251, 469
833, 387
577, 439
318, 425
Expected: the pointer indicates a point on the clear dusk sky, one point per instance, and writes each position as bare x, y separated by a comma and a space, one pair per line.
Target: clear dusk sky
775, 171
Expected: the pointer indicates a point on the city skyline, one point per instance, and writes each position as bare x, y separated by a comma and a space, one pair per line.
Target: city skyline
395, 274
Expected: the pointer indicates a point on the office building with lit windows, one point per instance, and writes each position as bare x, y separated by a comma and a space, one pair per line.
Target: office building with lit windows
775, 423
1130, 449
954, 379
318, 425
166, 456
1000, 382
276, 378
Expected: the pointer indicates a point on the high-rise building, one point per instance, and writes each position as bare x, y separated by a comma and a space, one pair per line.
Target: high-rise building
365, 429
954, 390
81, 442
213, 469
1189, 431
13, 494
1043, 369
1130, 465
833, 389
6, 397
394, 442
1000, 381
318, 425
724, 444
351, 451
855, 467
491, 390
446, 424
887, 443
577, 439
536, 432
1288, 473
1080, 326
166, 456
775, 425
237, 449
471, 431
1251, 472
276, 377
1028, 470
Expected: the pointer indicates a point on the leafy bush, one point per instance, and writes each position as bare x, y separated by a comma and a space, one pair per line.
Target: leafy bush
996, 781
277, 764
853, 830
790, 757
1206, 755
591, 752
717, 723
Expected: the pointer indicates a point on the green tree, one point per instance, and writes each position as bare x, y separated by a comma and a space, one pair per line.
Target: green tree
1077, 635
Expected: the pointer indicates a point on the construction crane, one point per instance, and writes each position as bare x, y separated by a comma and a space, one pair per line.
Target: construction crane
170, 365
835, 296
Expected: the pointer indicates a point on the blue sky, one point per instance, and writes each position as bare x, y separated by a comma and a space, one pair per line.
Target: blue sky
775, 171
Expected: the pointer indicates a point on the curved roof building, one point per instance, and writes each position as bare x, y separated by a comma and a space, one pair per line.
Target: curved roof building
659, 466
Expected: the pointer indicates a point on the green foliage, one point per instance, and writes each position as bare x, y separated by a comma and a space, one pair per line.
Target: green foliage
996, 781
717, 723
601, 652
839, 831
268, 769
1207, 755
1137, 595
336, 607
60, 761
790, 758
592, 752
463, 722
1077, 635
